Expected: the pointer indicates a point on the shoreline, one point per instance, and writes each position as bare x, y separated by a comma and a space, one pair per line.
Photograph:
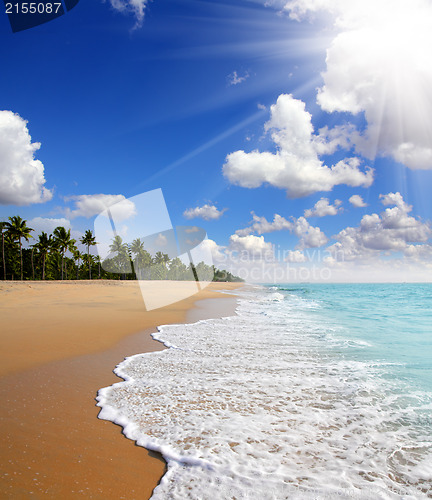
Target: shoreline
53, 442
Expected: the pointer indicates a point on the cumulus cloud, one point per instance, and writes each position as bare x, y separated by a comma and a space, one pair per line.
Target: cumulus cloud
206, 212
357, 201
22, 177
390, 246
234, 78
330, 140
322, 208
217, 251
47, 224
394, 230
261, 225
134, 7
296, 165
309, 236
240, 250
420, 253
395, 199
89, 205
254, 247
297, 266
376, 65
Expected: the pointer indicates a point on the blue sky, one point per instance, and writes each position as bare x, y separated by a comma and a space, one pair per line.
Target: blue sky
181, 100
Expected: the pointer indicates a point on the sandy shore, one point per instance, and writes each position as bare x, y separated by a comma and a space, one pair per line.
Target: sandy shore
58, 345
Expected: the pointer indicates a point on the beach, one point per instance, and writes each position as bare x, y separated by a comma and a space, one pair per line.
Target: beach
299, 395
59, 343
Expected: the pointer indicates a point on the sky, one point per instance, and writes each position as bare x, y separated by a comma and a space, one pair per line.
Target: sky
296, 133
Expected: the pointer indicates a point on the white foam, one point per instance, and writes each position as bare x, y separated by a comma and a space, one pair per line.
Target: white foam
259, 406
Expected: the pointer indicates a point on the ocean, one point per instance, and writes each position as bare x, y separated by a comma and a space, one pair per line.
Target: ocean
311, 391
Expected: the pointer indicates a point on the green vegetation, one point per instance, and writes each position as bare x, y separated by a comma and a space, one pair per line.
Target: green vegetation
89, 240
56, 256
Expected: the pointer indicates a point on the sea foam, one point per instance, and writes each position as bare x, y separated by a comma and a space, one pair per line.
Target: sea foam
266, 405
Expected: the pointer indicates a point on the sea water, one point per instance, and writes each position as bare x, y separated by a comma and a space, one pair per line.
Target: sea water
310, 391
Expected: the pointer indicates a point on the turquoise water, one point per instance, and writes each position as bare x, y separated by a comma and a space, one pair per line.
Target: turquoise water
309, 391
394, 321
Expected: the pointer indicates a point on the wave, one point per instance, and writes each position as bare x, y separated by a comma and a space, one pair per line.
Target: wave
262, 405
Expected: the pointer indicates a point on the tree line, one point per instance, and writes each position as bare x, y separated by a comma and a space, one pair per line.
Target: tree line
56, 257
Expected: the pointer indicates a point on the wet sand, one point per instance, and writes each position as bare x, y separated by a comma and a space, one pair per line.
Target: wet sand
59, 343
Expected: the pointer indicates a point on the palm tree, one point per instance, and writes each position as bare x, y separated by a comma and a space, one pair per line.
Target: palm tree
161, 258
98, 260
64, 242
142, 259
32, 262
117, 244
122, 261
137, 246
3, 226
11, 249
159, 270
17, 228
177, 270
77, 255
89, 240
44, 245
91, 260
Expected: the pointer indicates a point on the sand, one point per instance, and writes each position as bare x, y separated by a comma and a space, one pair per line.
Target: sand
59, 342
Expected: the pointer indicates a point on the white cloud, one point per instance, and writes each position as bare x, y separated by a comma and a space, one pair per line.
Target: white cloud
261, 225
295, 166
206, 212
361, 254
377, 270
234, 78
217, 251
309, 236
296, 256
377, 64
319, 266
134, 7
330, 140
357, 201
322, 208
298, 9
251, 246
89, 205
21, 176
161, 240
395, 199
47, 225
420, 253
394, 230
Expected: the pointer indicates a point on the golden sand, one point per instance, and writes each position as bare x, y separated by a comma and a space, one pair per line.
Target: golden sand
59, 342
